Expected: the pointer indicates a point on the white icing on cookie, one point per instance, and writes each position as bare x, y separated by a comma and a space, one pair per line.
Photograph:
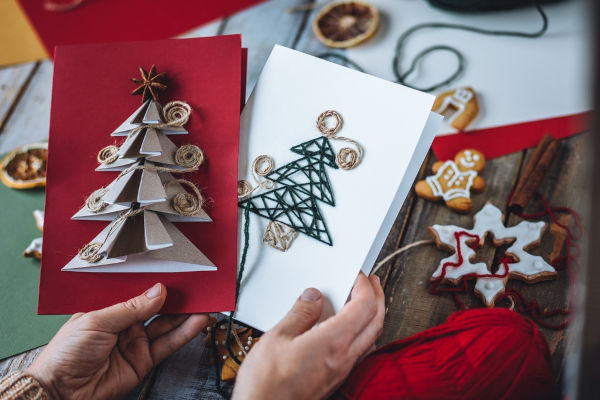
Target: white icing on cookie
457, 100
469, 159
458, 181
489, 220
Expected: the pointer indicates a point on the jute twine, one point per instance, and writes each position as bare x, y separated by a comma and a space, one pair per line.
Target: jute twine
91, 251
186, 203
347, 158
276, 236
108, 155
399, 251
175, 113
261, 167
153, 168
189, 156
94, 202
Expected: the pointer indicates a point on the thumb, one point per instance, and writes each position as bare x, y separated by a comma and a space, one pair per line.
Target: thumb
304, 314
135, 310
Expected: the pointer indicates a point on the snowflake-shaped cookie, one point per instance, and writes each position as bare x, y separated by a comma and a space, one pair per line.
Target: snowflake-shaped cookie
524, 236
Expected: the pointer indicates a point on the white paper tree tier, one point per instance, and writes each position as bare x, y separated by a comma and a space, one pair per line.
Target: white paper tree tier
143, 201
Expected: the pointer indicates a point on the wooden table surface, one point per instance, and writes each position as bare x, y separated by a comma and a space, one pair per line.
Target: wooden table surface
25, 92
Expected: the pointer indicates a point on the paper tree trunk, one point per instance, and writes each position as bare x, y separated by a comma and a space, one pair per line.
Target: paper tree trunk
146, 241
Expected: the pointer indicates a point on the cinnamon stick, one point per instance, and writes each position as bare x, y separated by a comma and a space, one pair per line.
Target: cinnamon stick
535, 158
534, 172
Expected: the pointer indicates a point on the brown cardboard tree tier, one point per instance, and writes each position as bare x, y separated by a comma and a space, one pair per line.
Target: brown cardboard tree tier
145, 199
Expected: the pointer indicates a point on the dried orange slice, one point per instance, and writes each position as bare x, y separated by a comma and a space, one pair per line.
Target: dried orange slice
25, 167
346, 23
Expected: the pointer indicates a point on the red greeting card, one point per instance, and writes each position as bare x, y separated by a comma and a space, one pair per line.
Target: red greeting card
501, 140
99, 21
92, 98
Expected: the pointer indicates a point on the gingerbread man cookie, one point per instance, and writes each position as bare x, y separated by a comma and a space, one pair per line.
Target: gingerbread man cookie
522, 237
454, 180
459, 106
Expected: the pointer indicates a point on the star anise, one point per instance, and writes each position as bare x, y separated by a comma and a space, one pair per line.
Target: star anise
150, 84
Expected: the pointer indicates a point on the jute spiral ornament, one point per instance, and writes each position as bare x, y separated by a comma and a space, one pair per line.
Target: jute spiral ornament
94, 202
108, 155
186, 203
91, 252
189, 156
347, 158
177, 113
261, 167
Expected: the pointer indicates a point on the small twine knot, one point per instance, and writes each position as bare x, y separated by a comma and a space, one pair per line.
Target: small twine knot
189, 156
263, 165
244, 188
91, 252
347, 158
108, 155
94, 202
177, 113
322, 123
186, 203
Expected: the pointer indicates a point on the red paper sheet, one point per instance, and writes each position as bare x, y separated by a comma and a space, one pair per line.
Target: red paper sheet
90, 98
100, 21
502, 140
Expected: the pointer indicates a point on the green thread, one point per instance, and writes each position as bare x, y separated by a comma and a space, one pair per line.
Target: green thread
304, 182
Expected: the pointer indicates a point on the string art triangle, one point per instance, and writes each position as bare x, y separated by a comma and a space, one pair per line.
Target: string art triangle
308, 174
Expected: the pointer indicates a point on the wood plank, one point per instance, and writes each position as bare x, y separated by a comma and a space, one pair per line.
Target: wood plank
564, 185
410, 306
262, 27
30, 119
13, 82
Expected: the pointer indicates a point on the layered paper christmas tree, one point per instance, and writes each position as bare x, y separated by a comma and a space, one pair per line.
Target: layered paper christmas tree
144, 200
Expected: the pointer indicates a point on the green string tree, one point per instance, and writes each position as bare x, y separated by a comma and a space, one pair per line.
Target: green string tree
296, 188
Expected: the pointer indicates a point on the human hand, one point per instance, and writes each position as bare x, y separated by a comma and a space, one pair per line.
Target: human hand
293, 361
104, 354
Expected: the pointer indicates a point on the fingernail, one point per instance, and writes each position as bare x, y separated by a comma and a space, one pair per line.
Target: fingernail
378, 279
310, 294
154, 291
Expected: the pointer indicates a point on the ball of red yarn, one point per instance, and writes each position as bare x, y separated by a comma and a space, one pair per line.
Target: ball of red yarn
475, 354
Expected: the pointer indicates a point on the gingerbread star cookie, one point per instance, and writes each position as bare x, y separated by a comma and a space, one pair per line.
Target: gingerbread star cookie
523, 237
454, 180
240, 343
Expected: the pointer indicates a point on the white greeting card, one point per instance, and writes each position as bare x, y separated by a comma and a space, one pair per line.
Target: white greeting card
393, 125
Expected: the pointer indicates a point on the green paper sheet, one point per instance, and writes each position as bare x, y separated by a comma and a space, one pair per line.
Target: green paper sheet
21, 328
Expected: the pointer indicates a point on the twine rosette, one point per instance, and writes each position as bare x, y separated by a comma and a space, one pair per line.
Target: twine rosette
261, 167
186, 203
94, 202
347, 158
